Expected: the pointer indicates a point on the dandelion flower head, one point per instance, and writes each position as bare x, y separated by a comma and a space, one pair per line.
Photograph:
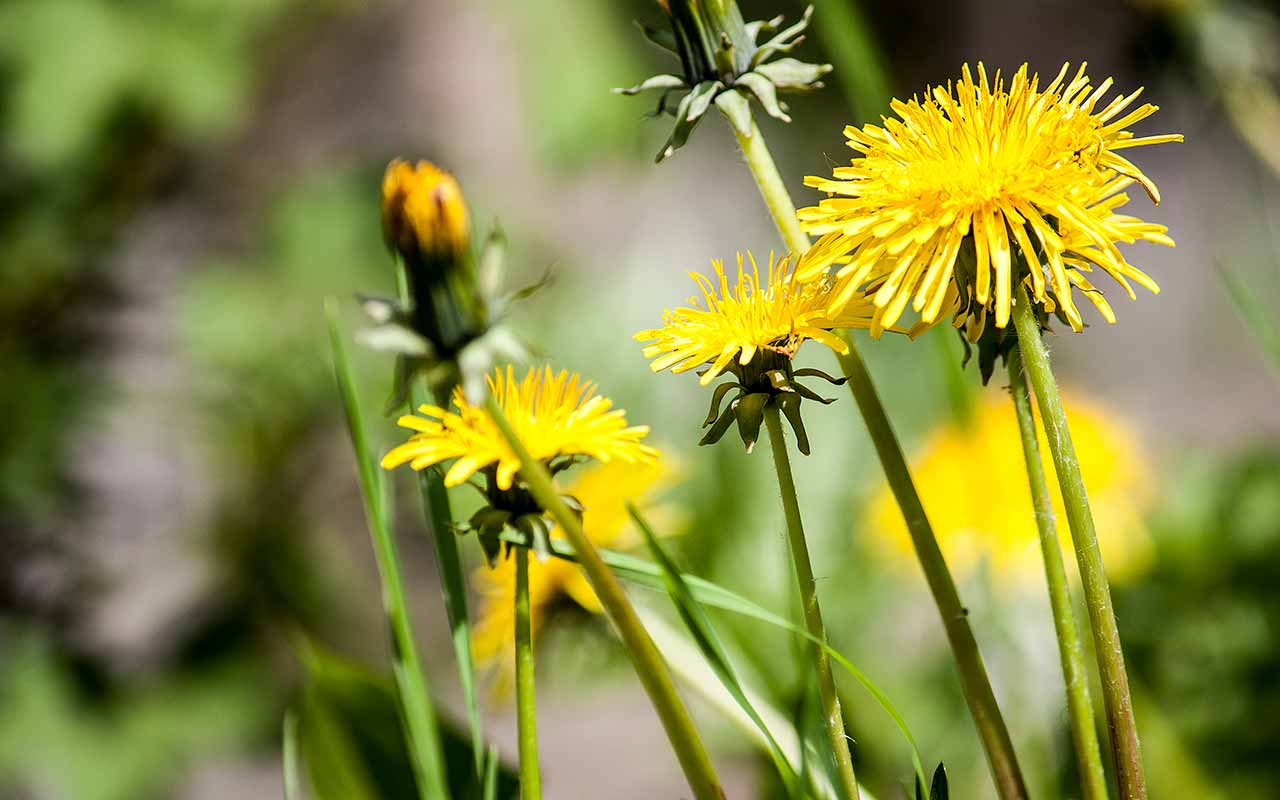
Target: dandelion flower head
554, 414
983, 185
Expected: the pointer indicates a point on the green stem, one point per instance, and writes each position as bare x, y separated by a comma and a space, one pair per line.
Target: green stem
1093, 577
832, 719
1084, 733
644, 655
850, 43
438, 517
955, 621
526, 708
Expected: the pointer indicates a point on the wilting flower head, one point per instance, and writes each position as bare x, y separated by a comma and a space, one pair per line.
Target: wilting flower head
753, 330
973, 480
603, 491
978, 187
724, 61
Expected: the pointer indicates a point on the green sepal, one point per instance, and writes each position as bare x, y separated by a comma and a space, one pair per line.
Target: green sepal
749, 411
810, 372
938, 788
664, 81
491, 264
661, 37
720, 427
793, 74
778, 380
737, 109
785, 41
680, 133
809, 394
789, 403
537, 530
717, 398
701, 97
762, 27
765, 92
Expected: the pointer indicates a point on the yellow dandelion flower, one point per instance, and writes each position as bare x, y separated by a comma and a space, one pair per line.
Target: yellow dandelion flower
554, 414
776, 315
973, 481
423, 210
603, 491
978, 187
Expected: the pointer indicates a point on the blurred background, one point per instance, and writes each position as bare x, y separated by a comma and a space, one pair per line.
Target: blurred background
182, 183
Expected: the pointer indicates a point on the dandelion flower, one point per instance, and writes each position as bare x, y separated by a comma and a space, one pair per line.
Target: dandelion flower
979, 187
554, 414
752, 330
974, 483
603, 491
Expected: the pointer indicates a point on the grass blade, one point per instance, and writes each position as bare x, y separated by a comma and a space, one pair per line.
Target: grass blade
1253, 312
649, 575
426, 752
700, 629
292, 765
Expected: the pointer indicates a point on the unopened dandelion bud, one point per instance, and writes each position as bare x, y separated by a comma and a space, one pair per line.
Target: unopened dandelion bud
425, 221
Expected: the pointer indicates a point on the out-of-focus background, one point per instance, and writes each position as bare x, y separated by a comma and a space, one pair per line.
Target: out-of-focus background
183, 182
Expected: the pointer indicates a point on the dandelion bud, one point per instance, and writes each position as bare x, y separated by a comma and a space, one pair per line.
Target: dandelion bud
425, 221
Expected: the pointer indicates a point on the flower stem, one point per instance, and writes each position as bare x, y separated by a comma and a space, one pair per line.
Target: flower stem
1084, 733
1093, 577
526, 710
832, 720
645, 657
964, 648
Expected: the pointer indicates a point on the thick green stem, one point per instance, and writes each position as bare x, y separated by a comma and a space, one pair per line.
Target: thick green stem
964, 648
644, 655
1084, 733
526, 706
1093, 577
832, 719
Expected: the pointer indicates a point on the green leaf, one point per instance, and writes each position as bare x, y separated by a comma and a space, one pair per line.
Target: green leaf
765, 91
737, 109
704, 636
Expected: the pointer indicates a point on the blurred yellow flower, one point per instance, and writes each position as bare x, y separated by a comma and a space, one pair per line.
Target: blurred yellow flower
423, 211
943, 194
973, 482
775, 314
554, 414
604, 491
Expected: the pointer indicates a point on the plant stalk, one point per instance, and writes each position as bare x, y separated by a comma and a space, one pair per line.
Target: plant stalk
1084, 733
526, 706
645, 657
1093, 577
964, 648
832, 719
438, 517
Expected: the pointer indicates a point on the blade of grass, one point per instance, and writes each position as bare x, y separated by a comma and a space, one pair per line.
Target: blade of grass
292, 766
704, 636
438, 517
649, 575
491, 774
1253, 312
425, 748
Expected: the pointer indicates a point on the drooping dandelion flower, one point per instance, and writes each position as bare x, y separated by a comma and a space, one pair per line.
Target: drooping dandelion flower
555, 414
996, 525
603, 491
752, 330
980, 186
